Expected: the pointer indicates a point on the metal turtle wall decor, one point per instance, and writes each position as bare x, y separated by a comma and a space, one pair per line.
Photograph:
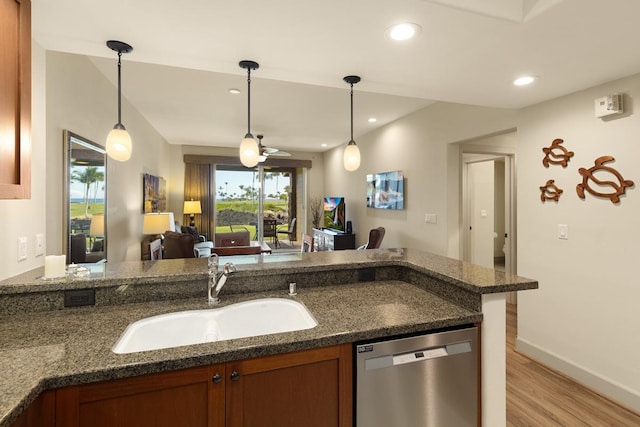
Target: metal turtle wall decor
618, 185
556, 154
550, 191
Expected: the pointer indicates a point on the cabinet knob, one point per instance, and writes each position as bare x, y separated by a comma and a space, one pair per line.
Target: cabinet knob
216, 378
235, 376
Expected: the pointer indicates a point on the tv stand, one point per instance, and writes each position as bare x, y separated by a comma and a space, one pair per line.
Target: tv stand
330, 240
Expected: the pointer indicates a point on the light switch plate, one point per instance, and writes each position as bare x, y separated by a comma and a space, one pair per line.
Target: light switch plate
22, 248
563, 231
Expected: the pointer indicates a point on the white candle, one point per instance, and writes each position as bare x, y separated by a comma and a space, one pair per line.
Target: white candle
54, 266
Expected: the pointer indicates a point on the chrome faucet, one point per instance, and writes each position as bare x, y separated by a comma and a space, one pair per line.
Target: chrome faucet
215, 284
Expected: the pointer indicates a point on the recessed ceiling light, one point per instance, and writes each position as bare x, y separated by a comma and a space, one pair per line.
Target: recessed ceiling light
234, 91
372, 120
404, 31
524, 80
323, 145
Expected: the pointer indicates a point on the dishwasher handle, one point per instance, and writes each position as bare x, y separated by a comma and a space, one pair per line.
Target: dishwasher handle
417, 355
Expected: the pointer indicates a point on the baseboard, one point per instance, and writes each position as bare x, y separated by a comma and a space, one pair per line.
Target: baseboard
611, 390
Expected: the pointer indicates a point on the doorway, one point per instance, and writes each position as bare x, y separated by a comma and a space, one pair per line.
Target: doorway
489, 203
247, 197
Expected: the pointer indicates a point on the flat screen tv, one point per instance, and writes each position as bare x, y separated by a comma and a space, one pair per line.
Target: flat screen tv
385, 190
334, 213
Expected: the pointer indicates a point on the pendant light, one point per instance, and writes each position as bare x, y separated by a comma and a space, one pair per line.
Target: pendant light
249, 151
118, 140
351, 152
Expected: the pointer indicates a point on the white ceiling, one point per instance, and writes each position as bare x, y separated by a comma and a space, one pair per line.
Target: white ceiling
186, 56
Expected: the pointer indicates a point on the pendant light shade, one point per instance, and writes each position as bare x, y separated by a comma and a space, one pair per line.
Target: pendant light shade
119, 144
249, 151
119, 141
351, 152
351, 156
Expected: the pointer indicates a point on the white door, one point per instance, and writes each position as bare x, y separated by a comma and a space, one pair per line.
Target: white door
480, 184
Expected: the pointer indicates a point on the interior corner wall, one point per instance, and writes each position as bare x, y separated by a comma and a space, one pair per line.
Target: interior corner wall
583, 320
421, 145
26, 217
81, 99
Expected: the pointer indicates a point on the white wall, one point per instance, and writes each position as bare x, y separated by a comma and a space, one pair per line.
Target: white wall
26, 218
419, 145
81, 99
584, 318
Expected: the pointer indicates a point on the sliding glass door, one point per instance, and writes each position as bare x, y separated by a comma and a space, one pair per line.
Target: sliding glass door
252, 199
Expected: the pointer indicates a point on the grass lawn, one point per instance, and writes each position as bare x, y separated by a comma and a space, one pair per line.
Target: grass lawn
76, 210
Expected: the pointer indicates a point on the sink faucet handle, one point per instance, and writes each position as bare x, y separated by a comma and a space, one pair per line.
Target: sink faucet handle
212, 263
229, 268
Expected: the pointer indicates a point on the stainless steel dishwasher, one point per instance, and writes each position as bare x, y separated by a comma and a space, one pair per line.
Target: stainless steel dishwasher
424, 380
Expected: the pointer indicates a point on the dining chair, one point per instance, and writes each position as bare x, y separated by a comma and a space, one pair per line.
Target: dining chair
289, 231
307, 243
269, 229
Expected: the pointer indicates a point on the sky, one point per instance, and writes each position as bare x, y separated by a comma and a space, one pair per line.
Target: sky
231, 180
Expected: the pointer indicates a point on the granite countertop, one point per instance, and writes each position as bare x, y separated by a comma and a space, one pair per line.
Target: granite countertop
463, 274
48, 349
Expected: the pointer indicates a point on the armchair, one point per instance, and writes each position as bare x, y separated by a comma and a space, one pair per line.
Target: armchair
178, 245
200, 243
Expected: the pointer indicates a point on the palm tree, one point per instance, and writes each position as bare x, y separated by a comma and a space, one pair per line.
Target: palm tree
87, 176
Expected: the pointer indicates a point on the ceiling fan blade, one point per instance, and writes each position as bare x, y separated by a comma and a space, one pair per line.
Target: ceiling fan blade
270, 150
279, 153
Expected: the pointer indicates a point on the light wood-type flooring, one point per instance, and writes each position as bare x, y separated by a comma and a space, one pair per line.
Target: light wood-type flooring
538, 396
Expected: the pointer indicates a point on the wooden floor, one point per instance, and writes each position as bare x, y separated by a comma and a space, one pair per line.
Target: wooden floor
537, 396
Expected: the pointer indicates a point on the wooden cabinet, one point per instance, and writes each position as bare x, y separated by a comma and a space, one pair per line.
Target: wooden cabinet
310, 388
15, 102
328, 240
306, 388
41, 413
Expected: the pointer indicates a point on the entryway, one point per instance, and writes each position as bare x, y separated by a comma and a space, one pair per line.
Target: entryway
489, 202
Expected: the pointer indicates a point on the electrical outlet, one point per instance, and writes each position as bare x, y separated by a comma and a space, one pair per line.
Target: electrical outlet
22, 248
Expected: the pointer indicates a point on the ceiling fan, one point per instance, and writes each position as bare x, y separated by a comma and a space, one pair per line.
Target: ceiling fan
265, 152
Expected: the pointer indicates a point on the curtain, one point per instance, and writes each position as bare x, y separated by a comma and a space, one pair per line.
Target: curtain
198, 184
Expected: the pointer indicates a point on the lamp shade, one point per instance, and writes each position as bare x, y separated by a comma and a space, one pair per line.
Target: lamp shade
119, 144
192, 207
351, 157
249, 151
97, 225
157, 223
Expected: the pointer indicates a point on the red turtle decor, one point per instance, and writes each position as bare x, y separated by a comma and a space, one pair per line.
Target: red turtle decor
556, 154
550, 191
617, 188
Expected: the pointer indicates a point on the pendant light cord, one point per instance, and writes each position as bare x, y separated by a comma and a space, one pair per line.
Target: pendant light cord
351, 111
119, 91
249, 101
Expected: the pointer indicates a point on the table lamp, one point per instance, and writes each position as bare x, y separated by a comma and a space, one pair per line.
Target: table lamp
157, 223
97, 225
192, 207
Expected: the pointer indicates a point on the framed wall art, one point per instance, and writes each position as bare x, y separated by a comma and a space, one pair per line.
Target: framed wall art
385, 190
154, 190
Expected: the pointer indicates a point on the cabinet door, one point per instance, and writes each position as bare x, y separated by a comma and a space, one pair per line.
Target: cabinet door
307, 388
187, 397
40, 413
15, 102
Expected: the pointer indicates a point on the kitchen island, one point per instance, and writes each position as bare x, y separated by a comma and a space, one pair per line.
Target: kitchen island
354, 295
